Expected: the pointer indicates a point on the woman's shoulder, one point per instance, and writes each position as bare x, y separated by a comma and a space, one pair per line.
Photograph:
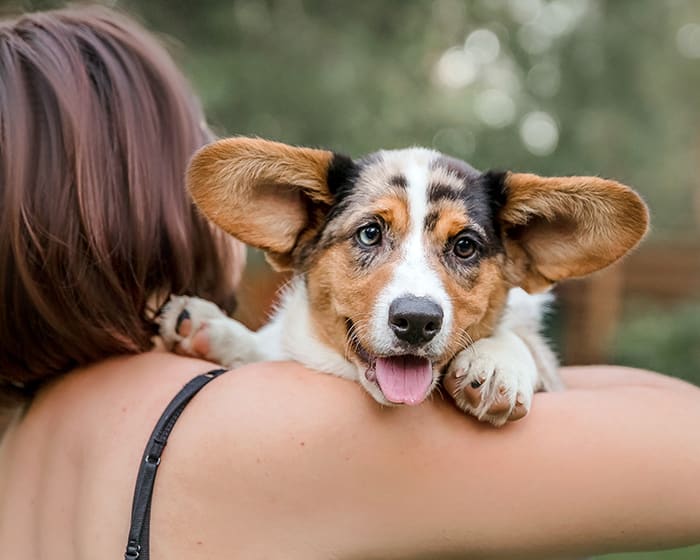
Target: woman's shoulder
112, 406
274, 457
82, 439
281, 453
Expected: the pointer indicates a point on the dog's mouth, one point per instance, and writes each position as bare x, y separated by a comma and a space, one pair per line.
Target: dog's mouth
402, 378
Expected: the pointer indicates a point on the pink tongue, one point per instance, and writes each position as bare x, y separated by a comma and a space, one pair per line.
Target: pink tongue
404, 379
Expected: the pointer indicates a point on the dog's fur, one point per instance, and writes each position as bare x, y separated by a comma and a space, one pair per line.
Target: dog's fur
471, 243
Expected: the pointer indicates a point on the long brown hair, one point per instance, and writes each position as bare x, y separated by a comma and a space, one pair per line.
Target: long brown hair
96, 128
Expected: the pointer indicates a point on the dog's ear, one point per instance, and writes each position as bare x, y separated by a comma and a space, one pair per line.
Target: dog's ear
266, 194
563, 227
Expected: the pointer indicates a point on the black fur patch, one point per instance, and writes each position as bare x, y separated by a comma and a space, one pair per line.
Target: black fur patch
437, 191
483, 195
341, 177
431, 219
398, 181
495, 183
484, 199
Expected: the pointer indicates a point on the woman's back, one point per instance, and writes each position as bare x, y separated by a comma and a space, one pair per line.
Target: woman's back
67, 470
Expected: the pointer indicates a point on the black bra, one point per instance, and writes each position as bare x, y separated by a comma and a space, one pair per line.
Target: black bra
137, 547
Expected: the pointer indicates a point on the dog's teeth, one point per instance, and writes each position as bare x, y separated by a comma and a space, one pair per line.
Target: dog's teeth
520, 400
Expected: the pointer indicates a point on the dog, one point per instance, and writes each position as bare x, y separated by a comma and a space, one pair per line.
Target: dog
407, 265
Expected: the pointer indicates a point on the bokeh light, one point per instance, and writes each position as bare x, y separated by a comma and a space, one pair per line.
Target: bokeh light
456, 68
494, 108
484, 45
688, 40
539, 132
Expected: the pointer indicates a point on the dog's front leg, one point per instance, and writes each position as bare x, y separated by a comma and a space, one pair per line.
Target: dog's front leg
196, 327
495, 378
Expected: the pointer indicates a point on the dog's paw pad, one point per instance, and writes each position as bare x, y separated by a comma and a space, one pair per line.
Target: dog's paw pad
182, 325
201, 342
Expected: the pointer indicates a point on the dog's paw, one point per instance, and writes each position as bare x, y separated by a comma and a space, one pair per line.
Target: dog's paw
183, 325
196, 327
493, 379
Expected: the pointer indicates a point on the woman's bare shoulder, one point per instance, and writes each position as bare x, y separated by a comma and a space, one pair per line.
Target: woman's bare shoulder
280, 452
274, 457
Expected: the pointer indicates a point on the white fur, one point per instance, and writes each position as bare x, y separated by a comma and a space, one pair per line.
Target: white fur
506, 370
510, 365
413, 275
291, 334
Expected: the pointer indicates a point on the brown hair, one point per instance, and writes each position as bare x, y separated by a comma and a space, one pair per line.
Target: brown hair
96, 128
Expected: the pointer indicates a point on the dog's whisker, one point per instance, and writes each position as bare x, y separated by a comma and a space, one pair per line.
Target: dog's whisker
352, 342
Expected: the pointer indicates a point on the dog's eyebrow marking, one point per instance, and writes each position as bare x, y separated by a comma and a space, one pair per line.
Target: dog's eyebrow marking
438, 191
398, 181
431, 220
478, 229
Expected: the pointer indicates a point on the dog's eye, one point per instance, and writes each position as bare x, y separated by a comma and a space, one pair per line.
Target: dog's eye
464, 247
369, 235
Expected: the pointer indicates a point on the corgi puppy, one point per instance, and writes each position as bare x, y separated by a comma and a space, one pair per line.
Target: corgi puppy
408, 265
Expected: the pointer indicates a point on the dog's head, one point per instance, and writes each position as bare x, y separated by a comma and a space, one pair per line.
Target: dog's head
408, 255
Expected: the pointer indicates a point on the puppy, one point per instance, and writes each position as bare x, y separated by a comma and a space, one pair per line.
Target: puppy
407, 264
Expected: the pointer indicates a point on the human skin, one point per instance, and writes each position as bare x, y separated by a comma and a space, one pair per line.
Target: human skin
275, 461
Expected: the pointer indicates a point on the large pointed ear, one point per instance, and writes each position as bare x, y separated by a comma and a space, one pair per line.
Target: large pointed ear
564, 227
266, 194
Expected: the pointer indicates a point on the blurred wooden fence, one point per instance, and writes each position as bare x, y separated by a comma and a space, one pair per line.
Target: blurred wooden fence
664, 273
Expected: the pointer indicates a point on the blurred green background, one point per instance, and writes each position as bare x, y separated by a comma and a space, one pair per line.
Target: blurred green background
602, 87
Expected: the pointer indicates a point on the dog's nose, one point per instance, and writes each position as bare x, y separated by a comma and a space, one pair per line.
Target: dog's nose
415, 320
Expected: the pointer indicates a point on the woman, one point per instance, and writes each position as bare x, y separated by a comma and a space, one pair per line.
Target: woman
269, 461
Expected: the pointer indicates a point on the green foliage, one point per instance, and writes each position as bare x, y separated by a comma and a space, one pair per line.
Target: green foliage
661, 340
692, 553
357, 76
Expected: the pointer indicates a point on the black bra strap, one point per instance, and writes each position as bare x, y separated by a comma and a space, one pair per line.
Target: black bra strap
137, 547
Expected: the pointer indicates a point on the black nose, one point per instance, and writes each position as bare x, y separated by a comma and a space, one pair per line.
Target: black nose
415, 320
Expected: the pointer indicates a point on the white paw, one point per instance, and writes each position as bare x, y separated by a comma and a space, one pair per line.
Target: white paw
182, 319
196, 327
494, 379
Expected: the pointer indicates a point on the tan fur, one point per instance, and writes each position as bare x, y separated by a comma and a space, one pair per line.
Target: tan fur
394, 211
338, 290
478, 301
477, 304
259, 191
452, 219
568, 226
